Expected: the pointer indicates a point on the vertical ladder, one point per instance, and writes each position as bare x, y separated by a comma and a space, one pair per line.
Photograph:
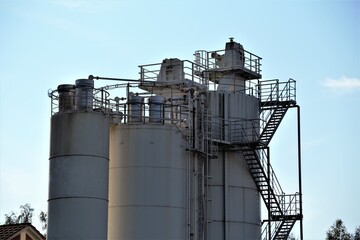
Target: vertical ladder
207, 150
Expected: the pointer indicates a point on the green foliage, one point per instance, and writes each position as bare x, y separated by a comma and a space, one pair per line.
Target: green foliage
43, 219
25, 216
338, 231
357, 233
10, 218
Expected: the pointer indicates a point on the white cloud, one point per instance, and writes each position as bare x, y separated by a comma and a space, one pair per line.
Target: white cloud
343, 83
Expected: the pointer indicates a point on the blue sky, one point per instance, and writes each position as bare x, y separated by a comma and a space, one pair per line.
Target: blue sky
47, 43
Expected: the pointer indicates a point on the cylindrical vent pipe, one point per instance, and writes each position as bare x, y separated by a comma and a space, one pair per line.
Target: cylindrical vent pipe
156, 105
66, 97
136, 104
84, 94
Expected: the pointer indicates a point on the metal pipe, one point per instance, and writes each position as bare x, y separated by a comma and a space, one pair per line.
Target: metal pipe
115, 79
193, 120
269, 184
225, 193
299, 169
123, 79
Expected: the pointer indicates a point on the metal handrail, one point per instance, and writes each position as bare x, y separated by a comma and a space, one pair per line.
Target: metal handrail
173, 113
251, 62
274, 91
150, 72
275, 184
54, 96
271, 93
275, 225
292, 209
290, 204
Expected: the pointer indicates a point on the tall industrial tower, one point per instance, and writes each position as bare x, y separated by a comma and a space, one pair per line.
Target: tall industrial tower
180, 153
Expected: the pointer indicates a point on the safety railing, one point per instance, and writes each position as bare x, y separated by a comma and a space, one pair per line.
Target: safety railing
100, 101
235, 130
142, 114
274, 226
178, 71
290, 203
291, 210
122, 110
212, 60
273, 91
243, 130
272, 94
54, 96
270, 174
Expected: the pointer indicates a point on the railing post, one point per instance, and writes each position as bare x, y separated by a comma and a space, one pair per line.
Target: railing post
277, 89
251, 67
126, 114
51, 96
102, 98
259, 92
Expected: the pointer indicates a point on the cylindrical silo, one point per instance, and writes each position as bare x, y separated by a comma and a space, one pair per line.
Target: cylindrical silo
79, 167
235, 202
136, 108
234, 210
66, 97
147, 188
156, 109
84, 94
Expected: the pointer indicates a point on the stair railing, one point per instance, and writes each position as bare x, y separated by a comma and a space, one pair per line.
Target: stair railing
274, 182
271, 97
290, 204
288, 92
274, 226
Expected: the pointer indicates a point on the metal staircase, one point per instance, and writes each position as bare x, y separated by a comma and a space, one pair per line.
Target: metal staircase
275, 99
280, 226
260, 173
284, 229
272, 124
283, 212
